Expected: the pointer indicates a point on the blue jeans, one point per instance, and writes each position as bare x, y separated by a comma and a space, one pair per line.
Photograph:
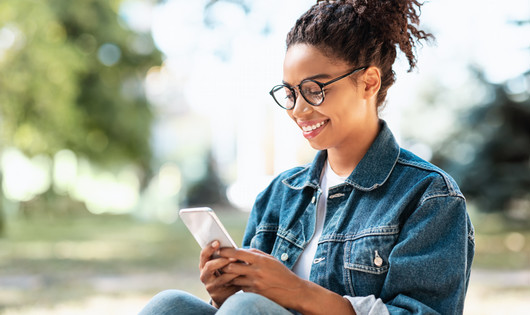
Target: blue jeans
171, 302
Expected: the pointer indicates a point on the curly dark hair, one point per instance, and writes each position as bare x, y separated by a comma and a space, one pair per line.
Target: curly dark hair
363, 33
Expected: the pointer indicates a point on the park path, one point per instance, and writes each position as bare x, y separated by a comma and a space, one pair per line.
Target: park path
490, 292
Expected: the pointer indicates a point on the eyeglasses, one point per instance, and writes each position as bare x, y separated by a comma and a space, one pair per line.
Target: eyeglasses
312, 91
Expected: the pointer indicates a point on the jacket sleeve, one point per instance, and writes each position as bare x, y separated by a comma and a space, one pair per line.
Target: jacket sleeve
430, 263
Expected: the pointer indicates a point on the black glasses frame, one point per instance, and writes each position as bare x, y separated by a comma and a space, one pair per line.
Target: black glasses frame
299, 86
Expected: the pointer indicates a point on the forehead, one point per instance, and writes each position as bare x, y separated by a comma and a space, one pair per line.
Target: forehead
303, 61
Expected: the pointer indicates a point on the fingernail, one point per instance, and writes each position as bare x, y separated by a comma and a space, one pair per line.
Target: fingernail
215, 244
232, 259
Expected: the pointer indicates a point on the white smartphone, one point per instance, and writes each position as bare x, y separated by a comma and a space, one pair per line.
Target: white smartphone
206, 227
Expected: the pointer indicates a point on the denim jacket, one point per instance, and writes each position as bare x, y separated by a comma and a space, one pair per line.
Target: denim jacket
397, 230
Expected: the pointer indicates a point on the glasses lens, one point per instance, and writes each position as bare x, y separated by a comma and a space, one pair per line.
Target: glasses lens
283, 96
312, 92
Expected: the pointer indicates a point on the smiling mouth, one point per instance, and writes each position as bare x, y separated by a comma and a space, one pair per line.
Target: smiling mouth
315, 126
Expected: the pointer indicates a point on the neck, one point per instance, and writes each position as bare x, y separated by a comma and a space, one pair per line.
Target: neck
344, 159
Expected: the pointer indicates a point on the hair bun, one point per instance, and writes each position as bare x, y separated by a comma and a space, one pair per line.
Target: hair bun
396, 21
363, 33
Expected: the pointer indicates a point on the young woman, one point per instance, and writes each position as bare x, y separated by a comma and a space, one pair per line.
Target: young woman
367, 227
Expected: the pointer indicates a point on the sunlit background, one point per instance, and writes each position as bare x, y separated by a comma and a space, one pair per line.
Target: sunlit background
116, 113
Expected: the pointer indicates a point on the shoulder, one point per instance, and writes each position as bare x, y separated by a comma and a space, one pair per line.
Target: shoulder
439, 182
270, 201
284, 186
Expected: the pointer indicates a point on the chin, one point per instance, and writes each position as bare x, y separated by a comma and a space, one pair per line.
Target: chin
317, 146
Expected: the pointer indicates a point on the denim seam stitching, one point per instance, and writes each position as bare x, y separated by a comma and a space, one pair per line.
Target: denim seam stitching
375, 185
267, 228
289, 237
365, 268
425, 167
428, 197
392, 230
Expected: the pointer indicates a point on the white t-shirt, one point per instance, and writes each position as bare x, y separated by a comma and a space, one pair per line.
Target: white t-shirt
328, 179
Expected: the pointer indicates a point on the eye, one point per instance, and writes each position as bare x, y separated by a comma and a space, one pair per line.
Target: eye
310, 88
289, 94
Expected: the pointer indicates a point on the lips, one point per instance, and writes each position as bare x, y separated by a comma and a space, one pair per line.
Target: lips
312, 129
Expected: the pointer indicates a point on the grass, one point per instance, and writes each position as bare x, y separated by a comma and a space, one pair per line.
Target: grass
51, 262
501, 243
47, 261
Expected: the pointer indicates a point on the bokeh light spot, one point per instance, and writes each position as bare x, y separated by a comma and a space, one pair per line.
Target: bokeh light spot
515, 241
109, 54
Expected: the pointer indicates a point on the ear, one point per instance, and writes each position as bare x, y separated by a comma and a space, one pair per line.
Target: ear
372, 82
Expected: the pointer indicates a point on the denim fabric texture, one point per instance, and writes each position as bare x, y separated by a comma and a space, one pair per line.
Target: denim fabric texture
397, 228
173, 302
176, 302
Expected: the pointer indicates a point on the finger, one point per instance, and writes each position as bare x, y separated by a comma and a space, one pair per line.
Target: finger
239, 268
216, 264
246, 255
212, 269
257, 251
223, 281
243, 282
207, 252
226, 279
218, 267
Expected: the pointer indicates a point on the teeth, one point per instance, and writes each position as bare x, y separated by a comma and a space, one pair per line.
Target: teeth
310, 128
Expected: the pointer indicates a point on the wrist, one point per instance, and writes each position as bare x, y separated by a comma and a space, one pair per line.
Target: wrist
319, 300
306, 300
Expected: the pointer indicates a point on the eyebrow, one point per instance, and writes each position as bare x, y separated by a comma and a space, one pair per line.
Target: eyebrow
317, 76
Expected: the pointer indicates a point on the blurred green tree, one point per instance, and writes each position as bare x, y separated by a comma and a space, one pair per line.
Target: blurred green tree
489, 154
71, 78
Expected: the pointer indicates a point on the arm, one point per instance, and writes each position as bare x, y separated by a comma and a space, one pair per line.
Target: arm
430, 263
265, 275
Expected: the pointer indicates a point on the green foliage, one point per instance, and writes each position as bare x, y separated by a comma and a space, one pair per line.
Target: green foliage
72, 79
69, 257
489, 154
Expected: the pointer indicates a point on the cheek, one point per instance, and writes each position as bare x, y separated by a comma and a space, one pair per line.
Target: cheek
347, 108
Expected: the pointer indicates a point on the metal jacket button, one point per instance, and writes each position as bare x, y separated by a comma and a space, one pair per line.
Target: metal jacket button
378, 261
284, 256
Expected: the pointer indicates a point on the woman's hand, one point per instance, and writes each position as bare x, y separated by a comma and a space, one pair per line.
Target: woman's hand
255, 271
263, 274
217, 284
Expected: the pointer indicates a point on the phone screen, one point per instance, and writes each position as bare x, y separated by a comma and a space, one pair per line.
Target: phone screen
206, 227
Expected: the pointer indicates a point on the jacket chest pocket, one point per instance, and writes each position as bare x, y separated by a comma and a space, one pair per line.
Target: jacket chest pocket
366, 263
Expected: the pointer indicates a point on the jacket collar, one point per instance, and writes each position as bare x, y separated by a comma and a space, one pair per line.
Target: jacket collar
372, 171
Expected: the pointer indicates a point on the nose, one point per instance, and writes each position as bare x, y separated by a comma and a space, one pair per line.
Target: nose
301, 107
